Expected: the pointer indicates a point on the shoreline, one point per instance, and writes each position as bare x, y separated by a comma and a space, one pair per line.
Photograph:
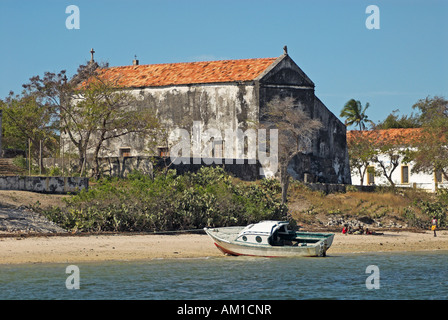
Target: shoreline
27, 249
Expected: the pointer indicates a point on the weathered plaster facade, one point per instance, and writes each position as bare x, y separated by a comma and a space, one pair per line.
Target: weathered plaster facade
328, 160
235, 103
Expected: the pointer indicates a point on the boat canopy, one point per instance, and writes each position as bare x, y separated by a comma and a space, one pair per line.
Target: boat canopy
267, 227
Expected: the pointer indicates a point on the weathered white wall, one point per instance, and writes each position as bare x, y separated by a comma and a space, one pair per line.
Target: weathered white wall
236, 106
421, 180
220, 106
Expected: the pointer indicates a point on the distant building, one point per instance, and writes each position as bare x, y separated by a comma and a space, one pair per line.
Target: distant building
230, 94
402, 176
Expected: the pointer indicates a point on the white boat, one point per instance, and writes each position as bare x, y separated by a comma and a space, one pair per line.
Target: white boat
270, 239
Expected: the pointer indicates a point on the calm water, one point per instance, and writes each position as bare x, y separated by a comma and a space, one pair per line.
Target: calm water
402, 276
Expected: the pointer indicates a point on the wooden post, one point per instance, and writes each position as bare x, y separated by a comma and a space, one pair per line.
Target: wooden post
40, 157
29, 156
61, 151
436, 186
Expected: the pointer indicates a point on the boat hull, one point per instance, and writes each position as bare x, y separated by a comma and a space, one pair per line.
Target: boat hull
235, 248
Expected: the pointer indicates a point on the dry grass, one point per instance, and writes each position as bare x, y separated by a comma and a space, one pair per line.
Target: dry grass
309, 206
15, 198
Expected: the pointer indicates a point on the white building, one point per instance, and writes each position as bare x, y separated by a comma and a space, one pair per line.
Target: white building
402, 175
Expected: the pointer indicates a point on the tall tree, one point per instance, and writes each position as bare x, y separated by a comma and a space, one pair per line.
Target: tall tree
108, 113
55, 92
393, 121
295, 133
354, 114
26, 121
361, 151
389, 152
91, 110
431, 153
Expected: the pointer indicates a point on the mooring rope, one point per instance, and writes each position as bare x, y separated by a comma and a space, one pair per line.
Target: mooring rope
103, 233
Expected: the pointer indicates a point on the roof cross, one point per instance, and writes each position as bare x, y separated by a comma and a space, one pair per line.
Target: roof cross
92, 52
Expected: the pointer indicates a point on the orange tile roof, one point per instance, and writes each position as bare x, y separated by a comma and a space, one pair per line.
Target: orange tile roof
397, 136
155, 75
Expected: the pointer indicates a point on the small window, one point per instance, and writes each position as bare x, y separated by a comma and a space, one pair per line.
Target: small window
125, 152
439, 176
218, 147
404, 174
244, 238
163, 152
258, 239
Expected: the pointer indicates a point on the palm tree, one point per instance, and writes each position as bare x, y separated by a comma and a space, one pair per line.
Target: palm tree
355, 114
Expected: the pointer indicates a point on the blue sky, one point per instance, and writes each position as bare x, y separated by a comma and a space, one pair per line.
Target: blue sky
391, 68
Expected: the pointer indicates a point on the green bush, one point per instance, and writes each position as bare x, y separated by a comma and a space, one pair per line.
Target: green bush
54, 172
442, 196
21, 162
436, 207
170, 202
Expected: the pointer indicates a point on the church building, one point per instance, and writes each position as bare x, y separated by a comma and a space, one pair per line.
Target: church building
231, 94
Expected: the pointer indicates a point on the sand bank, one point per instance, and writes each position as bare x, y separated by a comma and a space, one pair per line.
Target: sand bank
72, 249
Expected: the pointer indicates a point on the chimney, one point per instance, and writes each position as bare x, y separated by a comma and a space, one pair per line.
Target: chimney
135, 61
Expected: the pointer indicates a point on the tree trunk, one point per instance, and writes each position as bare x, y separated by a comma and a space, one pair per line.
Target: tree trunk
361, 175
388, 175
82, 150
96, 169
284, 181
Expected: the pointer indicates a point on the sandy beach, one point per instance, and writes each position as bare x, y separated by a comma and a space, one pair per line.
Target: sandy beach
72, 249
18, 245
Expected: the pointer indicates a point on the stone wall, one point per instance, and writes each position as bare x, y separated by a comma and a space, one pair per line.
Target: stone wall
122, 166
55, 185
242, 170
110, 166
326, 188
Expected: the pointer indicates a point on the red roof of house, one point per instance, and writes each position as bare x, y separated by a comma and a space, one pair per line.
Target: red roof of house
155, 75
398, 136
